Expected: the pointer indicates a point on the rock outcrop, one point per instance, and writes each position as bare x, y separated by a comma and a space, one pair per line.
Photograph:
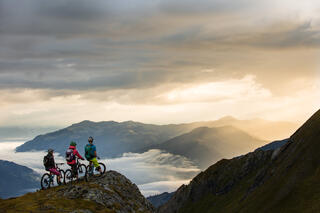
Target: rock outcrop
111, 192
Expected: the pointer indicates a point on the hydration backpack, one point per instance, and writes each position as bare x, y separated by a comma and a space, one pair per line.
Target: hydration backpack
70, 155
46, 161
88, 152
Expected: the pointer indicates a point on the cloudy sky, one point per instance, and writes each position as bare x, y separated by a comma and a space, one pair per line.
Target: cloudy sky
161, 61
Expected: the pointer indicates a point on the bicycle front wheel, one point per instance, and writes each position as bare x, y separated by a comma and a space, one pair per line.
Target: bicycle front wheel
45, 181
62, 179
82, 171
68, 176
103, 168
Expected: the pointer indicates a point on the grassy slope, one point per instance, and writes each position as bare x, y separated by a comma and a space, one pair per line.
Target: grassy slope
49, 201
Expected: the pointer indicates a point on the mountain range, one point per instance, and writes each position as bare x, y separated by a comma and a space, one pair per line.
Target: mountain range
280, 177
114, 138
282, 180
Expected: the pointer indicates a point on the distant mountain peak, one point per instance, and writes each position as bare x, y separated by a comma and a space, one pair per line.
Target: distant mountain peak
227, 118
86, 121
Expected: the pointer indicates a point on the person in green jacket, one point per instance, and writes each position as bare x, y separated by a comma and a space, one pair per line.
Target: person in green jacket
91, 154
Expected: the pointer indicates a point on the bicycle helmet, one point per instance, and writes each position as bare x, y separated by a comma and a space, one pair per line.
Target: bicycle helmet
72, 143
50, 150
90, 139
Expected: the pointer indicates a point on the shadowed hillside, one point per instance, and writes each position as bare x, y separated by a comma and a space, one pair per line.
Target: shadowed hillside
207, 145
281, 180
16, 180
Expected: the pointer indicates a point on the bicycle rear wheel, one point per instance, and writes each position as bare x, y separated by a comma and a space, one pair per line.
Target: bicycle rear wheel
45, 181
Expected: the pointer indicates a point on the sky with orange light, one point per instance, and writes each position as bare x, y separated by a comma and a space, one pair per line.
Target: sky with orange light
161, 61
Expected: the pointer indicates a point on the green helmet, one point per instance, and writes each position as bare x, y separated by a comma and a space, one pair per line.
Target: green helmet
72, 143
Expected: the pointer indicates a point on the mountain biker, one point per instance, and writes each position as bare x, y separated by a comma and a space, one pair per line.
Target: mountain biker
71, 155
50, 165
91, 154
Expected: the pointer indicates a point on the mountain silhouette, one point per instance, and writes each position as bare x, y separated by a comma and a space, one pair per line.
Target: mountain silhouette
114, 138
111, 138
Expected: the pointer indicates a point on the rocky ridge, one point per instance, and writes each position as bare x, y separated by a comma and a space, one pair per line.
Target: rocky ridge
111, 192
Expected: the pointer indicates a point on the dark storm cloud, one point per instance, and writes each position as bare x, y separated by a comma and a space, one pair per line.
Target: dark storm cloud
82, 44
77, 10
299, 35
51, 18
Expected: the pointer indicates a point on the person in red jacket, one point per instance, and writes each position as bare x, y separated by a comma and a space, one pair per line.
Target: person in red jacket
71, 157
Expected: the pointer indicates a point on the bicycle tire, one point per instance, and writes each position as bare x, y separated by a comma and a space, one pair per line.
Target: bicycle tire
82, 169
45, 181
61, 177
68, 176
103, 168
86, 176
88, 172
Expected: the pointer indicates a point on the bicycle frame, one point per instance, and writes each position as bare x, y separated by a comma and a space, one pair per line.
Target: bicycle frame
51, 176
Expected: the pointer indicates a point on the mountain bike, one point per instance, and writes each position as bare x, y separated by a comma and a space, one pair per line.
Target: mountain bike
81, 172
47, 179
94, 172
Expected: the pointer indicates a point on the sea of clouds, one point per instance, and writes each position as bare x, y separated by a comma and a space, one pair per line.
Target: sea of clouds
153, 171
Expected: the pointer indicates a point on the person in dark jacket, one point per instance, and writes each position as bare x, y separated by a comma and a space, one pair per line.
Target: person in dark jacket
73, 161
51, 165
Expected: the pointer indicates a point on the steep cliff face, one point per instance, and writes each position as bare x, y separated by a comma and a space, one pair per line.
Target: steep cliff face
112, 192
219, 180
281, 180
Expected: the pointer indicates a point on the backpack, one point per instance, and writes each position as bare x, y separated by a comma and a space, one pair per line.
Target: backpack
46, 161
88, 152
70, 155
